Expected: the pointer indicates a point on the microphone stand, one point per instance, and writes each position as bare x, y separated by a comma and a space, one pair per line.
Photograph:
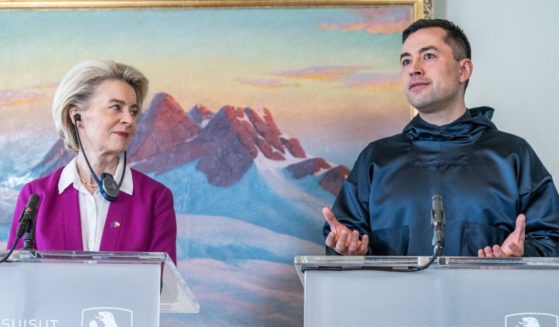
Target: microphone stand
29, 239
26, 229
437, 221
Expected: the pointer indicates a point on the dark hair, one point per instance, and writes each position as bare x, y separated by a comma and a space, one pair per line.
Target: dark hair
455, 37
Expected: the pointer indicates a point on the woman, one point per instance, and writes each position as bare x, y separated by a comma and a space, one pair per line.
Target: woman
82, 207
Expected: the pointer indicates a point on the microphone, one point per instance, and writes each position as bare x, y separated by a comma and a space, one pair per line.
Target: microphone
437, 221
27, 219
26, 225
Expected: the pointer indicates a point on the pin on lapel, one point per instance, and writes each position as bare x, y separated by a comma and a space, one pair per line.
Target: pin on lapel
115, 224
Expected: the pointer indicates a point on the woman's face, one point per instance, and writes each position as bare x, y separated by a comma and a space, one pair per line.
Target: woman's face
109, 119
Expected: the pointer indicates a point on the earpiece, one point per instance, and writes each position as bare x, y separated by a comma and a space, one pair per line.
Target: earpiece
76, 118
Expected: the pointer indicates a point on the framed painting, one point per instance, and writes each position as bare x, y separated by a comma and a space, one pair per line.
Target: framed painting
256, 112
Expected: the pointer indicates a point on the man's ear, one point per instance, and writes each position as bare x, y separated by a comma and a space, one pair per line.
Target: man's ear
465, 70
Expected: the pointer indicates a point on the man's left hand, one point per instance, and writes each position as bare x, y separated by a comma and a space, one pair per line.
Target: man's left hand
513, 246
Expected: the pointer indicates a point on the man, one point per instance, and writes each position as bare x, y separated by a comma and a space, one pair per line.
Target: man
499, 200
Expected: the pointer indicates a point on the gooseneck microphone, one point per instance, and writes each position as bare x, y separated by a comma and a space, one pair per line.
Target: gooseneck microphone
108, 187
29, 214
437, 221
26, 227
27, 220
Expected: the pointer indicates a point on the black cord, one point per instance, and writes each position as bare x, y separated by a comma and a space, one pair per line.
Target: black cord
438, 251
123, 172
7, 256
97, 180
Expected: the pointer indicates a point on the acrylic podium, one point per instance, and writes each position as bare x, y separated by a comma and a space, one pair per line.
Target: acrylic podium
453, 291
91, 289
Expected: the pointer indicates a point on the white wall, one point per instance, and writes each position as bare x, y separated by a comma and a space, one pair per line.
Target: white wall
515, 50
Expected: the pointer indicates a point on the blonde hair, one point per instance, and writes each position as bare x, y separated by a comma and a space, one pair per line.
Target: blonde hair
79, 85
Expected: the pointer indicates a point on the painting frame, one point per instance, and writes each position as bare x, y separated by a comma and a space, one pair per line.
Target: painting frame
422, 8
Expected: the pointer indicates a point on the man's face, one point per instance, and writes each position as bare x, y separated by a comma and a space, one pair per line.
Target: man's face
433, 80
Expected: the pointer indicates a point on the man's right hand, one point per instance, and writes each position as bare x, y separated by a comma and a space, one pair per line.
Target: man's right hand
342, 239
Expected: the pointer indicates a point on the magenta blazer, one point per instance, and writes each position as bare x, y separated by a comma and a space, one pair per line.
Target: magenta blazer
143, 222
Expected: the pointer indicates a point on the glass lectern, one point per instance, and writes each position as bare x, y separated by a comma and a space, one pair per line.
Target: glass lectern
345, 291
90, 289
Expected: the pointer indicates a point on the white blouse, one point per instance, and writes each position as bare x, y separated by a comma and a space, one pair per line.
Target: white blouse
93, 207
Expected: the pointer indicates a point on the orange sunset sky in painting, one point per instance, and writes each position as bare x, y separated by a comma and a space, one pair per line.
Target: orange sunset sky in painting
329, 76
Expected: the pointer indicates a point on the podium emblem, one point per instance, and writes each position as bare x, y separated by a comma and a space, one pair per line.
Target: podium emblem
531, 319
107, 317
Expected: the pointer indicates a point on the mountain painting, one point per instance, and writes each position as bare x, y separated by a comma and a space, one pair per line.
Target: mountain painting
254, 119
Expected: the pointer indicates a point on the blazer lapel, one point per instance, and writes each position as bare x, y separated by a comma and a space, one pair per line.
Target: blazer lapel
115, 223
72, 222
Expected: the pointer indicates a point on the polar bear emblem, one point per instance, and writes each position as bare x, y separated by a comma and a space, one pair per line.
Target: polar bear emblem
107, 319
528, 322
